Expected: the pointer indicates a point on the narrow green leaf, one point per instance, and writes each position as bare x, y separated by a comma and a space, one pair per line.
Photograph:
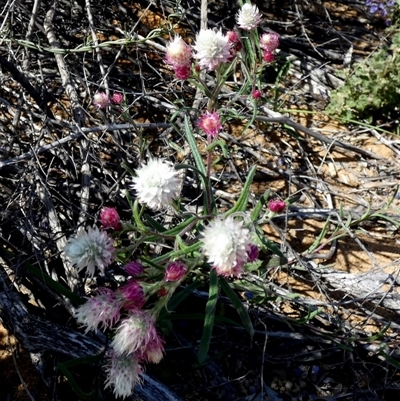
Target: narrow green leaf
56, 286
396, 223
200, 166
209, 319
241, 204
128, 169
238, 304
190, 167
155, 224
251, 120
221, 143
255, 214
137, 217
176, 230
176, 254
269, 244
366, 214
320, 237
193, 147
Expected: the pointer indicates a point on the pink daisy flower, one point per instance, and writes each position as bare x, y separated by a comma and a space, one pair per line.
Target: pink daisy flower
210, 123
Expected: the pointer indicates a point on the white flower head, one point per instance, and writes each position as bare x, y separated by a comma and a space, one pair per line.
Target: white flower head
157, 184
100, 310
123, 373
178, 53
90, 249
135, 333
213, 48
226, 244
248, 17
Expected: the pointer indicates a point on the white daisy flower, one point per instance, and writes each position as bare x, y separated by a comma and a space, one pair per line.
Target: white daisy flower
226, 244
248, 17
90, 249
157, 184
213, 48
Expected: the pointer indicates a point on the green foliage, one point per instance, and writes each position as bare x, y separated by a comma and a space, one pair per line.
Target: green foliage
373, 87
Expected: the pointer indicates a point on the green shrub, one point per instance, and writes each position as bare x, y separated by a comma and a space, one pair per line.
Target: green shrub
372, 89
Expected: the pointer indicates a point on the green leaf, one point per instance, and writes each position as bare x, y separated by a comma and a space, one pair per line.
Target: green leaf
137, 217
255, 214
320, 237
241, 204
221, 143
193, 147
238, 304
190, 167
200, 167
209, 319
270, 245
155, 224
180, 227
128, 169
176, 254
56, 286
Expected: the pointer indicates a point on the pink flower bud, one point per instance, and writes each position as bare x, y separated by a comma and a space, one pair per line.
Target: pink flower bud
101, 100
109, 218
276, 206
134, 333
268, 56
256, 94
101, 310
182, 72
234, 39
162, 292
178, 53
134, 268
154, 350
117, 98
133, 295
252, 253
269, 41
175, 271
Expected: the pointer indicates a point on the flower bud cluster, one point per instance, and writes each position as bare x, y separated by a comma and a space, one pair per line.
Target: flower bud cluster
136, 340
226, 243
212, 48
179, 57
269, 42
101, 100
